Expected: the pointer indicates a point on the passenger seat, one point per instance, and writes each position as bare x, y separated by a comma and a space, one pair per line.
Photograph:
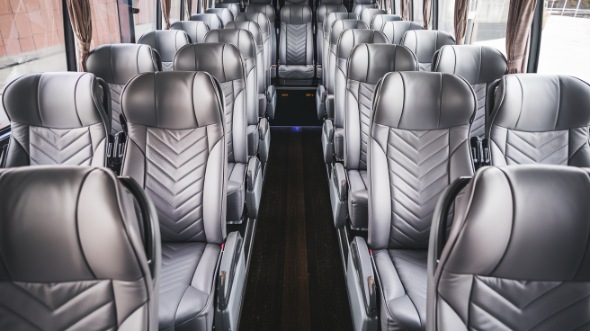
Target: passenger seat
212, 20
359, 5
325, 8
167, 43
296, 66
266, 7
196, 30
367, 15
395, 30
424, 43
233, 7
224, 15
379, 21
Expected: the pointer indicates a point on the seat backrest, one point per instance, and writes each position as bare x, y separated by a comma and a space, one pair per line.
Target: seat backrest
224, 15
367, 14
480, 66
244, 42
116, 64
234, 8
223, 62
366, 65
338, 27
264, 8
196, 30
176, 151
327, 28
322, 12
212, 20
395, 30
56, 119
540, 119
418, 145
72, 252
517, 253
424, 43
296, 42
167, 43
379, 21
266, 32
359, 5
260, 56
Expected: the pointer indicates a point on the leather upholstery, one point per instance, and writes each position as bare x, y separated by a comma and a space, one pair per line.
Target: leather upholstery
196, 30
167, 43
395, 30
322, 13
517, 254
418, 145
358, 8
56, 119
540, 119
233, 7
296, 43
366, 65
379, 21
224, 15
424, 43
268, 36
328, 22
367, 15
212, 20
116, 64
57, 272
480, 66
177, 152
224, 62
269, 11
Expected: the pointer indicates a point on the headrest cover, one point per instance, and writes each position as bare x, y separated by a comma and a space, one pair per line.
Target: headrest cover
333, 17
212, 20
222, 61
118, 63
423, 101
424, 43
368, 63
368, 14
173, 100
60, 100
339, 26
248, 26
56, 221
196, 30
517, 213
353, 37
395, 30
296, 14
380, 19
267, 9
258, 18
325, 9
223, 13
166, 42
233, 7
241, 39
477, 64
533, 102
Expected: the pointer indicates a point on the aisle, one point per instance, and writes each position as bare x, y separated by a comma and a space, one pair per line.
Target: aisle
296, 280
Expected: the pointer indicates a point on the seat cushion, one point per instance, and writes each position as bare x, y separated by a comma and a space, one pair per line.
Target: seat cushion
403, 288
296, 71
236, 191
187, 282
358, 197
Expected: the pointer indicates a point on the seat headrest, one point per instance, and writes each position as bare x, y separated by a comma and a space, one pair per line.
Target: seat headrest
166, 42
233, 7
350, 38
212, 20
118, 63
196, 30
380, 19
258, 18
339, 26
534, 102
173, 100
527, 222
477, 64
60, 100
423, 101
56, 221
333, 17
395, 30
325, 9
251, 27
296, 14
224, 15
367, 14
241, 39
424, 43
368, 63
222, 61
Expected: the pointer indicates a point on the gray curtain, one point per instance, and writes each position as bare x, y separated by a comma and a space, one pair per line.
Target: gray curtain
461, 8
166, 4
518, 30
427, 13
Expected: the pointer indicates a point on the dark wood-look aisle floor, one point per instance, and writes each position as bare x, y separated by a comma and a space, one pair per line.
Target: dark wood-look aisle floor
296, 280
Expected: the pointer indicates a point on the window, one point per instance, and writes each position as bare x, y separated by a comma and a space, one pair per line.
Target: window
105, 23
174, 11
145, 18
446, 16
31, 40
565, 38
486, 23
417, 6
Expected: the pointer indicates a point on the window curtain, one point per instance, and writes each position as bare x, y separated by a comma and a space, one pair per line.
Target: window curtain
518, 30
81, 19
461, 8
188, 9
405, 9
166, 4
427, 13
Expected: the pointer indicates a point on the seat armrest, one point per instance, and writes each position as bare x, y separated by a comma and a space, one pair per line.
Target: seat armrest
264, 139
227, 268
262, 127
253, 186
340, 181
339, 195
271, 99
320, 101
330, 105
329, 129
361, 263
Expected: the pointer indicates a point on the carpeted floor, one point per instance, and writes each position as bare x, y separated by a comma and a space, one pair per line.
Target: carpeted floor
296, 280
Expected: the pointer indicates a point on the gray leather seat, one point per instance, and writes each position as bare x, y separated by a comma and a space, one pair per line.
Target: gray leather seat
196, 30
224, 62
167, 43
379, 21
418, 145
540, 119
116, 64
517, 256
395, 30
367, 15
265, 7
366, 65
359, 5
233, 7
424, 43
212, 20
480, 66
296, 65
224, 15
71, 260
177, 153
56, 119
324, 9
